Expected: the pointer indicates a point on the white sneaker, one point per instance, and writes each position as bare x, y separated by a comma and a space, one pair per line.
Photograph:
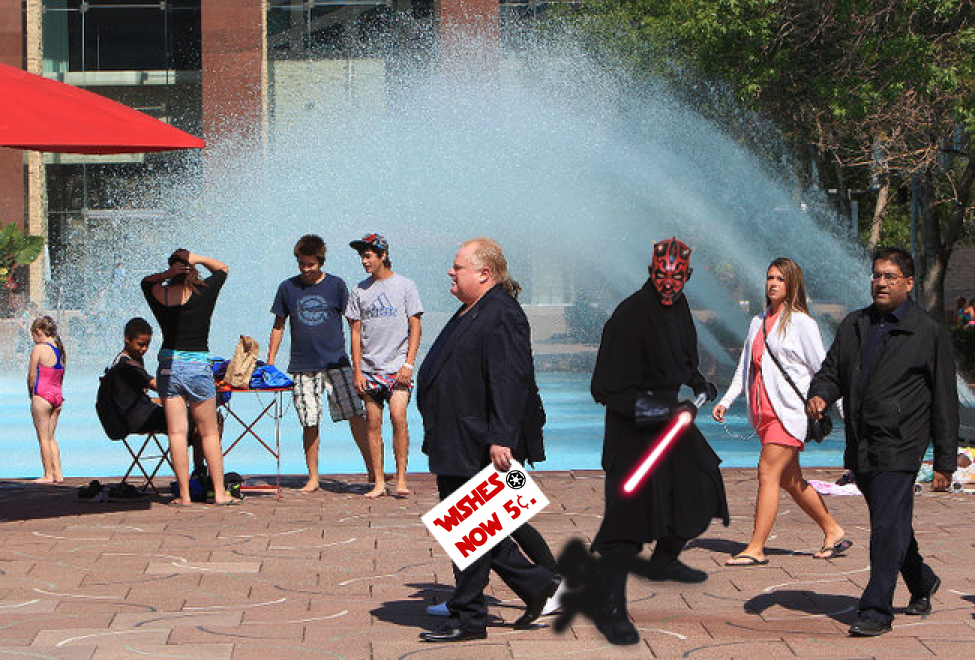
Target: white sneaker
441, 609
553, 604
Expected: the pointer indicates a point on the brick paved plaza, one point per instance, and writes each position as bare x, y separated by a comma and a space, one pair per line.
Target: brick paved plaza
333, 575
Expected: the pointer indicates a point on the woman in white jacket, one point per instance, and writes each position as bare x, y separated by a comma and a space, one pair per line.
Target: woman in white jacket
775, 410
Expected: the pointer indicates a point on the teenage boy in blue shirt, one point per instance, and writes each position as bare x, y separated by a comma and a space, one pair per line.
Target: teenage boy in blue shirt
315, 303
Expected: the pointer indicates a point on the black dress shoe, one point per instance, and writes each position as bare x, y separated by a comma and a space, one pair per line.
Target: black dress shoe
869, 628
922, 604
533, 608
451, 633
677, 571
617, 628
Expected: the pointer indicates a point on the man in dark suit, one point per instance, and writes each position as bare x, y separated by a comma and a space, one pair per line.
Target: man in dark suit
475, 389
893, 366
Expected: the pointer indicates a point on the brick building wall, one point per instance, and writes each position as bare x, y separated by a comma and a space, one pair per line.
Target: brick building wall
11, 160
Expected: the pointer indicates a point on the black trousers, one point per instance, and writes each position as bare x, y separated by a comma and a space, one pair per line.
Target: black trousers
665, 551
526, 579
155, 422
893, 548
533, 544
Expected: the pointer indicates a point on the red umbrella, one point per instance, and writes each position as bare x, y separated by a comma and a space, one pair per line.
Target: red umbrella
47, 115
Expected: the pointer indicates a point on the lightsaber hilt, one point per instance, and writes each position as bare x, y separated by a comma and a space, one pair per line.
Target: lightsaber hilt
683, 419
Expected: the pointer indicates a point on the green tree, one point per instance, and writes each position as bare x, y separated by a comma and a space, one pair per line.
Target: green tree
16, 249
876, 96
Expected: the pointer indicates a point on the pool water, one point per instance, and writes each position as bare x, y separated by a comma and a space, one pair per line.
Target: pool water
573, 434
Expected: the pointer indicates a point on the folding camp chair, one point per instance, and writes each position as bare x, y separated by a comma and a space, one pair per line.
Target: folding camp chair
139, 456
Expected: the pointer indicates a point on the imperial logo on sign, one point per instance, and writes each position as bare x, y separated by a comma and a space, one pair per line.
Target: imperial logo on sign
483, 511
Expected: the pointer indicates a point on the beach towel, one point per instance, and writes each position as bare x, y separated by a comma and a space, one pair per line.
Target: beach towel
829, 488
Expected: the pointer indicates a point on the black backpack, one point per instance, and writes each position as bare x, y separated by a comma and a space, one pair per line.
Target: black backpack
109, 414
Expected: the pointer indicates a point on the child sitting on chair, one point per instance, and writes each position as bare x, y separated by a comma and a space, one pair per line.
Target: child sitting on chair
142, 413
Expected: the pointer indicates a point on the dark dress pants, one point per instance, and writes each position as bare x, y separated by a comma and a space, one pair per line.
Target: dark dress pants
893, 548
467, 606
666, 550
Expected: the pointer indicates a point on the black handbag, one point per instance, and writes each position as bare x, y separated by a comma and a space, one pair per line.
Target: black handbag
816, 429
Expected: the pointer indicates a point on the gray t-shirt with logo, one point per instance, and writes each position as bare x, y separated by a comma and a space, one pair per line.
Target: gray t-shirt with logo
384, 308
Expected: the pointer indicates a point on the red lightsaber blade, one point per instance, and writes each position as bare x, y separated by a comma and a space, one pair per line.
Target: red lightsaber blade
684, 419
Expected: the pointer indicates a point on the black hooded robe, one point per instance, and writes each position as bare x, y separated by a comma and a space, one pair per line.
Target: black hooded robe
649, 347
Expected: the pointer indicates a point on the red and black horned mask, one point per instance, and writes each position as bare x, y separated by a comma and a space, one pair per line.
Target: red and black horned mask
670, 269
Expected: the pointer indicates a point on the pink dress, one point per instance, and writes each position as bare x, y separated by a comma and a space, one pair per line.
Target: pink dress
770, 429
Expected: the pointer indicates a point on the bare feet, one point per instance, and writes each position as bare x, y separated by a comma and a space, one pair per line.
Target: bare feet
44, 480
401, 489
178, 503
376, 492
58, 479
309, 487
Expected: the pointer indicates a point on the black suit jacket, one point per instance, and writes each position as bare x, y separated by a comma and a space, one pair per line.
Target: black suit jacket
479, 389
909, 401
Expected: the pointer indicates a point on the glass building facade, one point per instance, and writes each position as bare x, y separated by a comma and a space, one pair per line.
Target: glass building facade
150, 55
145, 55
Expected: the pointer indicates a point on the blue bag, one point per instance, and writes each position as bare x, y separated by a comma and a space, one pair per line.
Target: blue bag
267, 376
219, 366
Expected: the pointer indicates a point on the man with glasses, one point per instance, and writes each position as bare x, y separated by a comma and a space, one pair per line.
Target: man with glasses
893, 366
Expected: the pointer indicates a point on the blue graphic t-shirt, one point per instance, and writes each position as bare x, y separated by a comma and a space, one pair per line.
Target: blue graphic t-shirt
316, 317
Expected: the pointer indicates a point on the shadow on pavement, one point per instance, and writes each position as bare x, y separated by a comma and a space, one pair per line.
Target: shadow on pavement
24, 500
732, 548
412, 613
839, 608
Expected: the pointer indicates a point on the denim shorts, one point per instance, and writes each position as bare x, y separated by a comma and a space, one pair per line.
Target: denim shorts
185, 374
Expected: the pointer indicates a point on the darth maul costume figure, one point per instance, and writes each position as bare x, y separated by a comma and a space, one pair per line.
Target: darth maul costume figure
648, 351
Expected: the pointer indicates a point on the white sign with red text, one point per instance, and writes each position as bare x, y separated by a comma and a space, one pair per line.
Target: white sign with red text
483, 511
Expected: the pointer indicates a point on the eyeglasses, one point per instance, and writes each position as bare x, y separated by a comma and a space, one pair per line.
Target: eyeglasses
886, 277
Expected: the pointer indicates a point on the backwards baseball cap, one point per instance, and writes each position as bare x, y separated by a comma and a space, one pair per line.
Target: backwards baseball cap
375, 241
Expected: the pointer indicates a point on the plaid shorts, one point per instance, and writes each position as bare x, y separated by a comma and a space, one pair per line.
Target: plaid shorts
380, 387
343, 402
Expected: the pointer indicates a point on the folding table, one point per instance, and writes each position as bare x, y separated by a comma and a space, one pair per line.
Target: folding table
274, 410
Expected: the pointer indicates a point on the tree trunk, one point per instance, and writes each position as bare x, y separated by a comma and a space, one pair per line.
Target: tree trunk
877, 224
927, 236
842, 192
963, 203
934, 280
937, 266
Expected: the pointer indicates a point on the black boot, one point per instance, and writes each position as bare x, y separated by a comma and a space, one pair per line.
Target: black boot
664, 564
614, 621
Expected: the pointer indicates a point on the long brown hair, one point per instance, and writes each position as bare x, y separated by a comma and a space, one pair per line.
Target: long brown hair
795, 290
192, 279
46, 326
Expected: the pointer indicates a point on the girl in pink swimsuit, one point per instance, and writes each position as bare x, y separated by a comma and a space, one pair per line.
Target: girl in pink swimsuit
44, 377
